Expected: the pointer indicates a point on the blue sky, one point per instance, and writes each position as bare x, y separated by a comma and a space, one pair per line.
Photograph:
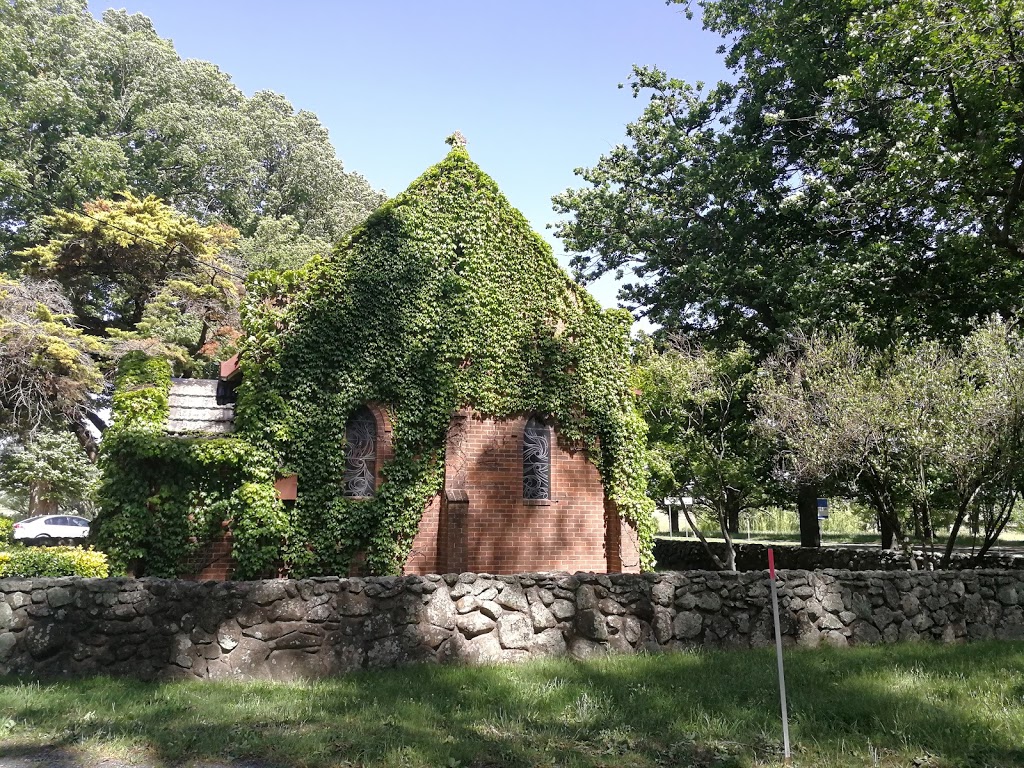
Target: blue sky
531, 84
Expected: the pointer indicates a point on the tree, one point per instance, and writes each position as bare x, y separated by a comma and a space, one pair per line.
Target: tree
136, 269
824, 406
48, 368
47, 473
927, 433
279, 243
700, 438
864, 159
90, 107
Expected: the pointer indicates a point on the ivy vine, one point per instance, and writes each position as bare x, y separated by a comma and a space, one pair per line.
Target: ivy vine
444, 298
163, 497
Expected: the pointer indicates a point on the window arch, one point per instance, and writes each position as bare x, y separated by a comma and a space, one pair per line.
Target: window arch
536, 460
361, 454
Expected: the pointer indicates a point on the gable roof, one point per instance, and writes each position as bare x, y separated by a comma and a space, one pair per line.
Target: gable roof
193, 407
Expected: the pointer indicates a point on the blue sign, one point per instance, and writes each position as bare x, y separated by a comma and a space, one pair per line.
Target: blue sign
823, 509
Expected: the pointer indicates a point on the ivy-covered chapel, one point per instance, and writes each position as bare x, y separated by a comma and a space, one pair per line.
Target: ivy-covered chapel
436, 395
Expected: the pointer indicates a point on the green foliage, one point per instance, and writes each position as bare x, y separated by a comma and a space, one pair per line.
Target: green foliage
845, 518
52, 562
861, 168
50, 468
6, 529
443, 299
47, 366
931, 430
102, 121
280, 244
700, 439
91, 107
137, 269
140, 400
163, 497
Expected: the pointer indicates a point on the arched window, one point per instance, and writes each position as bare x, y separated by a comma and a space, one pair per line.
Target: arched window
536, 460
361, 454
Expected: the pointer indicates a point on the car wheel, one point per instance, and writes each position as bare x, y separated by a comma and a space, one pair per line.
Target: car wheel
42, 536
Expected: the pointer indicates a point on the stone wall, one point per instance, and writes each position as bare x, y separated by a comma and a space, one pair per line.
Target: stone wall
280, 629
689, 554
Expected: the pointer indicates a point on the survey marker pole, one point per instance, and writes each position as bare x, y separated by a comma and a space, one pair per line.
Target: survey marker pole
778, 654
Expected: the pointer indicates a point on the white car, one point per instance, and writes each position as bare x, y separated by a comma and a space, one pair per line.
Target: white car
52, 527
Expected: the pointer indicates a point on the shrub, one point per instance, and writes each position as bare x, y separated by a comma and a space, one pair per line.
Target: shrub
6, 530
53, 561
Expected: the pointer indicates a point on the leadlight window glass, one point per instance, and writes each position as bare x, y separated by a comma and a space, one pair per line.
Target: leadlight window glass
361, 454
536, 460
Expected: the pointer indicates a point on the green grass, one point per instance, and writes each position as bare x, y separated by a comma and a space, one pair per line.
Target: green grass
940, 706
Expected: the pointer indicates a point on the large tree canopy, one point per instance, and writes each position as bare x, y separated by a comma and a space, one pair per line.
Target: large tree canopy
90, 107
136, 189
865, 167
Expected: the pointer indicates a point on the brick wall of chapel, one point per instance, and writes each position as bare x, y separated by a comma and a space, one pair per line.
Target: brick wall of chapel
481, 522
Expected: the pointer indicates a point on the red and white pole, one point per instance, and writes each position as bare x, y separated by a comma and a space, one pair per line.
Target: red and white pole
778, 654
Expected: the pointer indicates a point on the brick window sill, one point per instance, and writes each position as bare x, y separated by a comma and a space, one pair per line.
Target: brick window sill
538, 502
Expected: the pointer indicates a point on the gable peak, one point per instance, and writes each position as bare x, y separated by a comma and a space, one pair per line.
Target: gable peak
456, 140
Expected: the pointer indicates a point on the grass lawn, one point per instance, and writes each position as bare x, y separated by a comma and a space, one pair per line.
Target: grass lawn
909, 705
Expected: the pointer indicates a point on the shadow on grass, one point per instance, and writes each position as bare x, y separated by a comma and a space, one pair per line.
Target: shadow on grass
950, 705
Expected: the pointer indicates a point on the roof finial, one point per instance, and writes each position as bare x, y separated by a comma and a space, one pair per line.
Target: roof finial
456, 140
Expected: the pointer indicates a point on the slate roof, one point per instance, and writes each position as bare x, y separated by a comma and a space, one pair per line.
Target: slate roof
194, 408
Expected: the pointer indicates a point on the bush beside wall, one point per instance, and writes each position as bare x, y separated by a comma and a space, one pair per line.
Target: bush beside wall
52, 562
689, 554
283, 629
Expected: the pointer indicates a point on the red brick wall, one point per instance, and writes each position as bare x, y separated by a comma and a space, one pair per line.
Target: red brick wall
424, 555
213, 561
482, 523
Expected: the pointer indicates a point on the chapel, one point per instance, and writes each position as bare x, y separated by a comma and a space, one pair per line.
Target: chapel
437, 395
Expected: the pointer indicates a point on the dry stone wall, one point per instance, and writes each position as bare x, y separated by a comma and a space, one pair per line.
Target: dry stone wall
280, 629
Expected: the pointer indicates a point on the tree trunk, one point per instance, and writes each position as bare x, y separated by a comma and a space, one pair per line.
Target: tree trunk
673, 521
954, 531
887, 530
962, 510
730, 548
807, 509
926, 522
87, 441
39, 502
733, 518
994, 528
719, 565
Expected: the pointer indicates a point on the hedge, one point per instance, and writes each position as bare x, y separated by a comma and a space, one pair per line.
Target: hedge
53, 562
